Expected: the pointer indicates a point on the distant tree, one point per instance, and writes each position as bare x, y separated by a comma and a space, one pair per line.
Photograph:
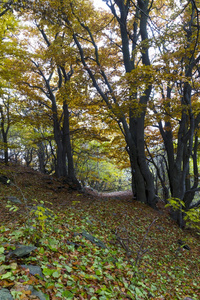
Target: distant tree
95, 168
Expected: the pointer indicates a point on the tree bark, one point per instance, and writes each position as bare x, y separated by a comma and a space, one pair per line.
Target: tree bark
41, 157
5, 132
67, 148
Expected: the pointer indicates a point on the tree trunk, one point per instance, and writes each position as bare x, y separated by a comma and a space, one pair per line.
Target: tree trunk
60, 167
142, 179
5, 146
41, 157
4, 133
67, 149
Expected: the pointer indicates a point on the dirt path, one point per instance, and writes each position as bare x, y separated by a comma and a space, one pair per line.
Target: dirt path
118, 195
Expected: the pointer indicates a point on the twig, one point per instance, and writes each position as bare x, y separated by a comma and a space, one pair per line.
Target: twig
141, 251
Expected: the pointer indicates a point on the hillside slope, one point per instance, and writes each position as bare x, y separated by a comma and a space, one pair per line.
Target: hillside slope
90, 247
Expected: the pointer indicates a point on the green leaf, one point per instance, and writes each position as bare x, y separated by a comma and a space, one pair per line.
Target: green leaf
48, 272
6, 275
68, 295
41, 250
130, 294
98, 272
138, 292
56, 274
2, 257
2, 249
68, 269
13, 266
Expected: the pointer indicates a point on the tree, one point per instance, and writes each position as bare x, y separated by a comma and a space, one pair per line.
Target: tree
8, 48
47, 74
177, 108
5, 123
130, 25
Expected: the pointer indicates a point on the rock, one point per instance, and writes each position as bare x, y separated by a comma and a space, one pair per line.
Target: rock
93, 240
5, 294
34, 270
22, 251
22, 287
14, 199
36, 293
183, 245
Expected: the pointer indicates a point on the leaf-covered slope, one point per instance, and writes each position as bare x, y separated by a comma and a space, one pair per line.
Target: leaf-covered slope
143, 257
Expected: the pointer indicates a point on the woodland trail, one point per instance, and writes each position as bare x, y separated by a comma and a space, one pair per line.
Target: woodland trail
117, 194
120, 194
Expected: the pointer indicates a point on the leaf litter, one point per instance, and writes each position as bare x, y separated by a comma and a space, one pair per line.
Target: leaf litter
142, 258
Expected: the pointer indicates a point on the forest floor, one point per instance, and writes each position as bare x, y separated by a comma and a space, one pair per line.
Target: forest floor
143, 257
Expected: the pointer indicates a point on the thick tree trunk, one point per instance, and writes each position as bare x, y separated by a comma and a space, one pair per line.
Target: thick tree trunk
5, 145
64, 150
4, 133
28, 156
142, 179
41, 157
179, 158
67, 149
60, 167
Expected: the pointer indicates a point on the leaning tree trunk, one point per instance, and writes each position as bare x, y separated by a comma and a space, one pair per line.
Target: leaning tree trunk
142, 178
